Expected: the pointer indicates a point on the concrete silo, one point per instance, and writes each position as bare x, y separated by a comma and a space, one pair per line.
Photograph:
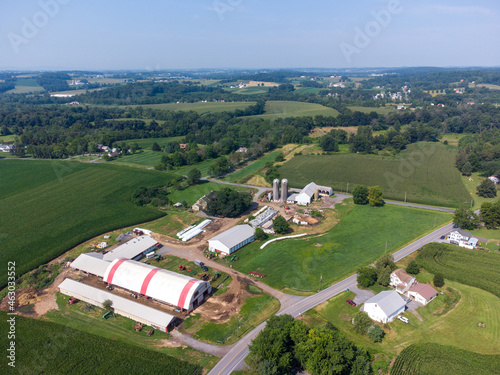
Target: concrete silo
284, 190
316, 194
276, 189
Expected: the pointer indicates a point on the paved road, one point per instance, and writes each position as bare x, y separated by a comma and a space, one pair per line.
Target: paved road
233, 360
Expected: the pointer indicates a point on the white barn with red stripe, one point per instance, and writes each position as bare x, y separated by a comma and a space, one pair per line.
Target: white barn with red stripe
162, 285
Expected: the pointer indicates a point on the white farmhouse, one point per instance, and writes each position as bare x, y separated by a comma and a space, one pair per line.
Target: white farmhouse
231, 240
462, 238
401, 280
385, 306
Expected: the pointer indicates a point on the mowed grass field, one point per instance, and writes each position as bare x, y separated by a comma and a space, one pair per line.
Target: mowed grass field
434, 359
358, 239
48, 348
457, 327
50, 207
193, 193
283, 109
25, 86
425, 171
146, 158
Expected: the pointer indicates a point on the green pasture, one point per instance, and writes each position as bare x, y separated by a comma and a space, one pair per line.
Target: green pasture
198, 107
283, 109
425, 172
251, 168
357, 240
379, 110
195, 192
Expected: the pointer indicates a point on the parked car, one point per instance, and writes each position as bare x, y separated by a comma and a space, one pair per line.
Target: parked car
204, 268
403, 319
351, 302
72, 300
443, 237
407, 300
198, 262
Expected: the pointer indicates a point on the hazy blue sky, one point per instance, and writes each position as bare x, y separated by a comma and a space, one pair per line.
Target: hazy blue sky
154, 34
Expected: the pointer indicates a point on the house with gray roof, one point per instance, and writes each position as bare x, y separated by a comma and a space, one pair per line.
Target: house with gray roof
385, 306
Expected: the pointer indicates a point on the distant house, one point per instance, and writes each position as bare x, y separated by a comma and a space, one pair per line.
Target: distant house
6, 148
401, 280
183, 146
422, 293
242, 150
385, 306
462, 238
494, 179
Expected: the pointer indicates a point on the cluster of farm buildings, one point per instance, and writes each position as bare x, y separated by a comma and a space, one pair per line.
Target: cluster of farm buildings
387, 305
155, 290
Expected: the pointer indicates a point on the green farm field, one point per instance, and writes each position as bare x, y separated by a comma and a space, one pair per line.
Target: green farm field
25, 86
308, 90
199, 107
147, 143
50, 207
379, 110
251, 168
146, 158
425, 171
283, 109
442, 322
434, 359
358, 239
193, 193
472, 267
48, 348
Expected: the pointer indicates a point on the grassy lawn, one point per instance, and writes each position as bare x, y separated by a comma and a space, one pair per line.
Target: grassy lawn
309, 90
119, 330
458, 327
379, 110
147, 158
203, 167
427, 358
7, 139
173, 222
471, 184
193, 193
255, 310
244, 173
50, 207
358, 239
283, 109
425, 171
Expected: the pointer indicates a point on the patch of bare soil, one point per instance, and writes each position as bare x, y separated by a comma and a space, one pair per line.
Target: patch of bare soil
221, 308
171, 343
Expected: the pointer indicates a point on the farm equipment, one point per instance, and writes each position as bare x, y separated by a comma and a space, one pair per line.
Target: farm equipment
216, 276
72, 300
205, 277
192, 272
138, 327
182, 268
159, 257
151, 332
107, 315
234, 258
211, 254
138, 232
256, 274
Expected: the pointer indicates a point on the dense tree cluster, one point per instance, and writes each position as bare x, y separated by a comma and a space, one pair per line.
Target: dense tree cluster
381, 273
285, 344
487, 189
465, 218
228, 203
154, 195
490, 214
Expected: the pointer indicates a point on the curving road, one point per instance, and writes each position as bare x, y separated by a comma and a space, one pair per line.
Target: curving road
233, 360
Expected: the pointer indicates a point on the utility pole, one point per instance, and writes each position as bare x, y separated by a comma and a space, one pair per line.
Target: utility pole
405, 196
321, 277
237, 325
386, 246
434, 221
348, 188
